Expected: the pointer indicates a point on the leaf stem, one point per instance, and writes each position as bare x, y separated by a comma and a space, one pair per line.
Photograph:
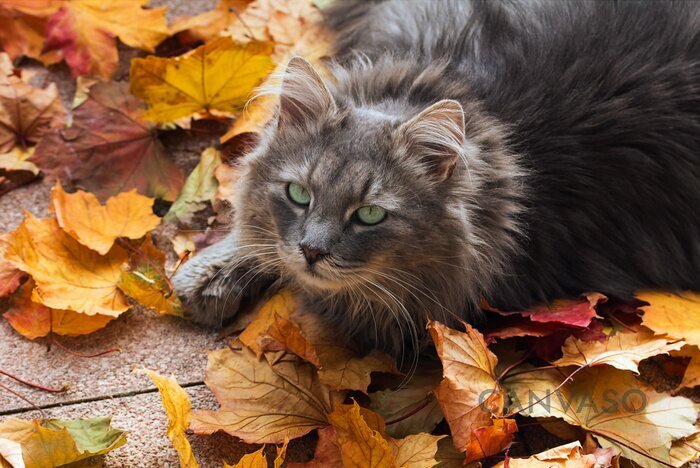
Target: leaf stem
147, 259
527, 371
515, 364
76, 353
422, 404
33, 385
25, 399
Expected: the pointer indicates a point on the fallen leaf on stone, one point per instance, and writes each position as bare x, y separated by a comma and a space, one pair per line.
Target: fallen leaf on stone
360, 444
57, 442
22, 28
68, 275
200, 186
212, 80
33, 320
566, 456
257, 404
622, 350
613, 405
490, 440
691, 376
85, 31
97, 226
672, 313
109, 149
177, 408
469, 394
208, 25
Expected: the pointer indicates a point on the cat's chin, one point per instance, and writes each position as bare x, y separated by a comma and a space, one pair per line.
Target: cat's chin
314, 280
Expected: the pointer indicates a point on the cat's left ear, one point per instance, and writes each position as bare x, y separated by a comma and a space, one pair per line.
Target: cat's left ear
435, 138
304, 96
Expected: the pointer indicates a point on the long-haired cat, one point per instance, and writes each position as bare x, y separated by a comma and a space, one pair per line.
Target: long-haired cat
517, 151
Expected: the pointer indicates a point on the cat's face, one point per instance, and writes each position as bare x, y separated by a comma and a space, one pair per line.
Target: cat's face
349, 199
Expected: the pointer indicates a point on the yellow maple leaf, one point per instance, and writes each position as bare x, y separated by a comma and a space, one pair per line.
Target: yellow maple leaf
85, 32
214, 79
81, 215
361, 445
177, 407
68, 275
671, 313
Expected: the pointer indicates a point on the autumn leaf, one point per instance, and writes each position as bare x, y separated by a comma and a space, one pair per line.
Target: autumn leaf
691, 376
566, 456
490, 440
415, 451
611, 404
177, 407
469, 393
33, 320
227, 177
214, 79
22, 28
85, 32
360, 445
672, 313
17, 159
201, 186
258, 459
56, 442
326, 454
622, 350
569, 312
98, 226
10, 276
109, 149
68, 275
260, 403
208, 25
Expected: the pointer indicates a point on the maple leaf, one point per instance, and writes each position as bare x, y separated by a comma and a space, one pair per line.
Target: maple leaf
671, 313
214, 79
566, 456
177, 408
691, 376
17, 160
258, 459
109, 149
570, 312
26, 112
416, 450
10, 276
326, 454
360, 444
68, 275
469, 393
611, 404
622, 350
201, 186
22, 28
56, 442
261, 402
33, 320
490, 440
96, 226
85, 32
208, 25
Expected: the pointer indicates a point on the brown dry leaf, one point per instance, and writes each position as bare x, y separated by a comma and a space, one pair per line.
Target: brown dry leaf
177, 408
33, 320
469, 393
17, 160
671, 313
259, 402
686, 450
361, 445
85, 31
22, 28
613, 405
26, 112
415, 451
68, 275
326, 454
622, 350
208, 25
10, 276
214, 79
566, 456
227, 177
490, 440
98, 226
691, 376
109, 149
258, 459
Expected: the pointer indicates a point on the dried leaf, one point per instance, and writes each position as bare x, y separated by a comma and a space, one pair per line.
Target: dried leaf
671, 313
56, 442
258, 459
447, 457
11, 454
201, 186
109, 149
33, 320
327, 453
569, 312
68, 275
613, 405
490, 440
22, 28
85, 31
691, 376
214, 79
569, 456
17, 160
259, 405
360, 445
415, 451
469, 393
227, 176
10, 276
208, 25
177, 407
96, 226
622, 350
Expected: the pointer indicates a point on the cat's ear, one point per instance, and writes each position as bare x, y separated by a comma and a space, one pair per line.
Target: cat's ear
303, 95
435, 138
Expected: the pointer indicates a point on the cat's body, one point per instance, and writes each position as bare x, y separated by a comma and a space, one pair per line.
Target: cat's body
576, 167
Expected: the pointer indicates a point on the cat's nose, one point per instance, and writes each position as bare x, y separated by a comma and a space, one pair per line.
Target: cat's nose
312, 254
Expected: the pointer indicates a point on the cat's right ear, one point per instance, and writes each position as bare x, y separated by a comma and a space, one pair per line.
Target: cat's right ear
303, 96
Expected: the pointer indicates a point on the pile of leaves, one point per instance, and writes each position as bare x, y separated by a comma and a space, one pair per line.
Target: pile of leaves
571, 368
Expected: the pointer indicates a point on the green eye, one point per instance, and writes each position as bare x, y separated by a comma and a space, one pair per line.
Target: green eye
371, 214
298, 194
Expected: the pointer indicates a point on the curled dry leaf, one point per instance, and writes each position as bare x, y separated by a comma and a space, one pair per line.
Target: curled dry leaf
258, 459
671, 313
57, 442
85, 32
611, 404
622, 350
22, 28
201, 186
361, 442
10, 276
490, 440
214, 79
17, 159
569, 456
96, 226
109, 149
68, 275
177, 408
469, 393
263, 402
691, 376
33, 320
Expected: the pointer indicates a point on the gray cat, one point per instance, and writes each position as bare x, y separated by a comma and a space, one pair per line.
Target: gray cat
517, 151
